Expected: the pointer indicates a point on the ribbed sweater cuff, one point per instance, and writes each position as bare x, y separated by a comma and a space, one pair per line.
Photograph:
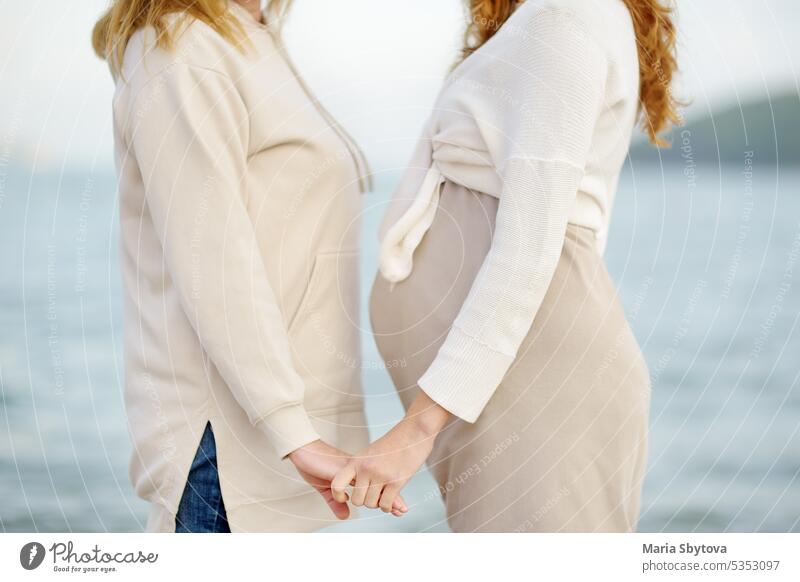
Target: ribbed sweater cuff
288, 428
464, 375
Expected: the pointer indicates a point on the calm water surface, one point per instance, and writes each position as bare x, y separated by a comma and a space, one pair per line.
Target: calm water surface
707, 261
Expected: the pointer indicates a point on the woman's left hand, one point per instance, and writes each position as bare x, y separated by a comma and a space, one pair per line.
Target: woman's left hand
380, 471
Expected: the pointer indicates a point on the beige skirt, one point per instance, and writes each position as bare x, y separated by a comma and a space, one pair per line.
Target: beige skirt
562, 444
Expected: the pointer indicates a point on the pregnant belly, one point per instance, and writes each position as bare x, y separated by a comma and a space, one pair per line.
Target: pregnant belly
410, 319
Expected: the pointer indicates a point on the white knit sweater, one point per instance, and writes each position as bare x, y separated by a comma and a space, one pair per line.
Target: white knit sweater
540, 117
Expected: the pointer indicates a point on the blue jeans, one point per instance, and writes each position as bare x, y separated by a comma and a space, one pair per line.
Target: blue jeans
202, 509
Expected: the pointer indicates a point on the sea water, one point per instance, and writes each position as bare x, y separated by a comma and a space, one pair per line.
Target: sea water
706, 260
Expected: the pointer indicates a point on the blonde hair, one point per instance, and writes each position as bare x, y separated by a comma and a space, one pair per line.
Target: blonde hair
655, 42
124, 17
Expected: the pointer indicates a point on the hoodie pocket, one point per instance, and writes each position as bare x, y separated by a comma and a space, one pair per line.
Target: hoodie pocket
325, 333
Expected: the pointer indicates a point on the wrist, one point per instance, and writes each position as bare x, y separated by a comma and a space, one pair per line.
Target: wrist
426, 416
298, 455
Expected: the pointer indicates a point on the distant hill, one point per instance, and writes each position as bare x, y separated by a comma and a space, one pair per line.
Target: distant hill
770, 128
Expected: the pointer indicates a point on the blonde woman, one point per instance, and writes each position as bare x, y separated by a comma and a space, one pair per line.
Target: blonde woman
525, 388
238, 195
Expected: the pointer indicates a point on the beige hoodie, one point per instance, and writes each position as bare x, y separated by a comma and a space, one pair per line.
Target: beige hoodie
238, 210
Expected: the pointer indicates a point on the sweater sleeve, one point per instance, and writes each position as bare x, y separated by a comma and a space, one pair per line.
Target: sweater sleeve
189, 135
556, 75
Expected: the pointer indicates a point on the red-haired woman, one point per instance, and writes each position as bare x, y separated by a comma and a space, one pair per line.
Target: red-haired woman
523, 381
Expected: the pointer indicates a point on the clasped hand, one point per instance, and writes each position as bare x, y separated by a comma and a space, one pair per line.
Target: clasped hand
378, 473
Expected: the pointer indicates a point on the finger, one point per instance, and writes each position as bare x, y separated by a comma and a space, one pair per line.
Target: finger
389, 498
359, 491
373, 495
399, 507
340, 510
341, 481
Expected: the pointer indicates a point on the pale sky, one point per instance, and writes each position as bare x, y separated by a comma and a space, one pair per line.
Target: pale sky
375, 63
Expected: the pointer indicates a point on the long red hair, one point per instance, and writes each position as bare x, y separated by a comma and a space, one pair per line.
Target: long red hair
655, 41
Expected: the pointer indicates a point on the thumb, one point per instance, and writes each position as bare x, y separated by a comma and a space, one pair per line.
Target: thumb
341, 481
340, 510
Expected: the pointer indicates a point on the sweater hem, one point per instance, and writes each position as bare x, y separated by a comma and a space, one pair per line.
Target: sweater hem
300, 514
